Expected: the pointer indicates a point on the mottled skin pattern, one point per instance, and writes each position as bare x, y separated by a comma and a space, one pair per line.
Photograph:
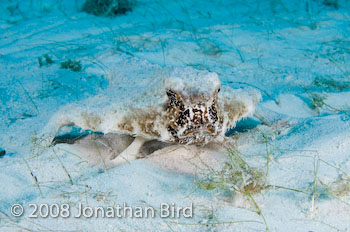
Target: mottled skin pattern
196, 123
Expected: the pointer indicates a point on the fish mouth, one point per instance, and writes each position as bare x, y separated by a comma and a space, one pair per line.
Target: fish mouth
201, 131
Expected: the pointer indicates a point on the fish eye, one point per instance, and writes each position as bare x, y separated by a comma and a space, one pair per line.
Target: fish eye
218, 89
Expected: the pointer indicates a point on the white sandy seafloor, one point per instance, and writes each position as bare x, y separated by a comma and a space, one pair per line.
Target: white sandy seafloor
281, 48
